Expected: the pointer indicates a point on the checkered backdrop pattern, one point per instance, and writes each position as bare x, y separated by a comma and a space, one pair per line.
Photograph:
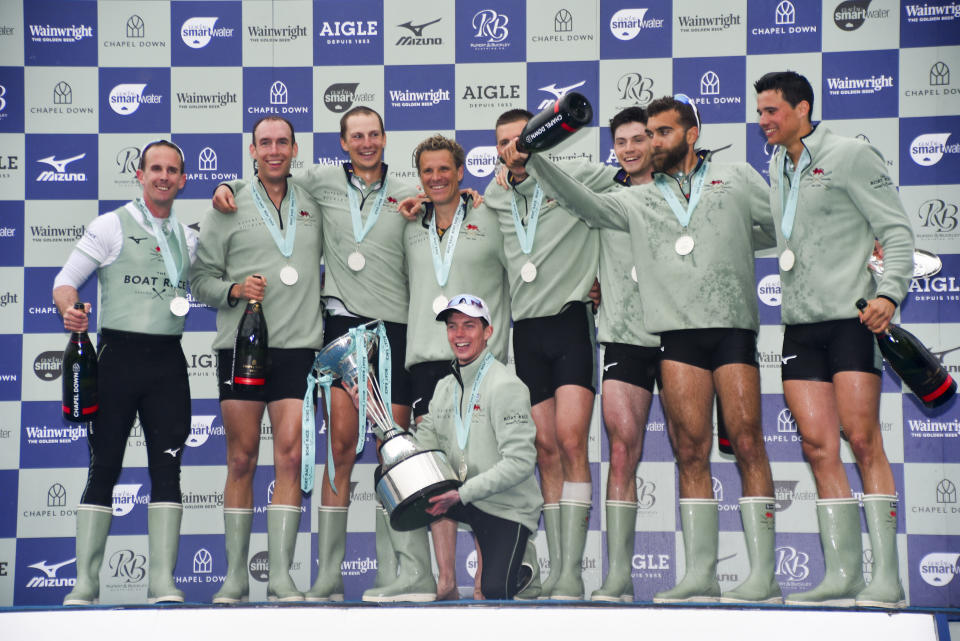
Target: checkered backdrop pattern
84, 85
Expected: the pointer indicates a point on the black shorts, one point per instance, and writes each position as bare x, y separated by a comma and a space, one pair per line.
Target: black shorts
710, 348
400, 394
632, 364
551, 351
287, 371
423, 381
817, 351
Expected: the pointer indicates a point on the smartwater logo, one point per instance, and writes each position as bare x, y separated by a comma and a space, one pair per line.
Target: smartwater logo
939, 568
626, 24
126, 98
197, 32
769, 290
928, 149
200, 430
126, 496
481, 161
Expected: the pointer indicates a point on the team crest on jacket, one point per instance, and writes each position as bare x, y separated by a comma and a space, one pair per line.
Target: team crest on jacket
307, 218
472, 231
819, 178
718, 187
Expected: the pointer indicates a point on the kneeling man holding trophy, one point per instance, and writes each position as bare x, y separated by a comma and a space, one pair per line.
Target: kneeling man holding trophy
472, 457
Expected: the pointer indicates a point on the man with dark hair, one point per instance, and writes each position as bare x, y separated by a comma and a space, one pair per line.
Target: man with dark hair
269, 251
630, 362
499, 497
694, 230
831, 197
453, 247
143, 305
552, 259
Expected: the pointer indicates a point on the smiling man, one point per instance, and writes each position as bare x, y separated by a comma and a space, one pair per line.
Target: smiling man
694, 230
269, 250
143, 372
831, 197
479, 417
453, 247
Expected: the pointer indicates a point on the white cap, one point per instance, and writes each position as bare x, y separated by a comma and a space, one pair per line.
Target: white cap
467, 304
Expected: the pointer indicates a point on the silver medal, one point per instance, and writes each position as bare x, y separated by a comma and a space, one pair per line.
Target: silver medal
439, 304
633, 274
179, 306
356, 261
684, 245
787, 260
289, 275
528, 272
463, 468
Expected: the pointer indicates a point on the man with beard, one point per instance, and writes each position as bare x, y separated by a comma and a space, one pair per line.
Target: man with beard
694, 231
831, 197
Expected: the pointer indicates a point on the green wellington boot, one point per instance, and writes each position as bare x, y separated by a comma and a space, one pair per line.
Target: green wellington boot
414, 582
386, 555
163, 529
551, 527
699, 522
757, 516
236, 527
529, 574
93, 525
621, 531
885, 589
574, 521
282, 524
842, 555
331, 546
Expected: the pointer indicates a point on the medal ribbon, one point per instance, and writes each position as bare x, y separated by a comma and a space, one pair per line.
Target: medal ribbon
463, 426
284, 244
174, 271
361, 230
442, 267
525, 236
308, 428
790, 204
682, 213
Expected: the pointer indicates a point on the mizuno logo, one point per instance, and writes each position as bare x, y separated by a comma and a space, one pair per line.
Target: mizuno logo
607, 366
562, 91
60, 165
172, 452
786, 359
417, 29
136, 240
50, 570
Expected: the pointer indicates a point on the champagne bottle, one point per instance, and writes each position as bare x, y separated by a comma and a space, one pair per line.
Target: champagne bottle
80, 401
554, 124
250, 349
923, 372
723, 439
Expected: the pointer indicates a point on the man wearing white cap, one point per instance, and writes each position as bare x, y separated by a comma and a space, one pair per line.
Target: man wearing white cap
479, 417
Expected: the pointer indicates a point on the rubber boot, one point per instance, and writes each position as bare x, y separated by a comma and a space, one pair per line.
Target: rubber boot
757, 516
621, 530
529, 578
699, 522
163, 529
551, 526
414, 582
282, 524
236, 527
885, 589
93, 525
386, 555
842, 555
574, 521
331, 546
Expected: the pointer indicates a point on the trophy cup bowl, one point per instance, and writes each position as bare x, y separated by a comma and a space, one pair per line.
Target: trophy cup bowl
925, 264
409, 475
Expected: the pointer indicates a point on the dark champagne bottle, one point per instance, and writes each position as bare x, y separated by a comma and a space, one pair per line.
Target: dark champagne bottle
250, 349
80, 402
923, 372
554, 124
723, 439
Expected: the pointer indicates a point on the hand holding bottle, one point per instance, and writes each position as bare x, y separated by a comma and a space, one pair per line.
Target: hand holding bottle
252, 288
76, 319
876, 314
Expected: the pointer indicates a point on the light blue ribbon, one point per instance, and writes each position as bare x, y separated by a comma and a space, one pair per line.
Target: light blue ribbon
174, 271
441, 267
284, 243
525, 236
308, 428
360, 230
790, 204
682, 213
463, 426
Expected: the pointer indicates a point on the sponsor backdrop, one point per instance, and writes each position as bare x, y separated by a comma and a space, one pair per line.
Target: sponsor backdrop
84, 85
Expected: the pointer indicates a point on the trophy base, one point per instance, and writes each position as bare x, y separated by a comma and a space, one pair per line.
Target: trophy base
406, 488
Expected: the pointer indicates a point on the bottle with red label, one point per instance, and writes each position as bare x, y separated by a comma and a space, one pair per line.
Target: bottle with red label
80, 400
250, 349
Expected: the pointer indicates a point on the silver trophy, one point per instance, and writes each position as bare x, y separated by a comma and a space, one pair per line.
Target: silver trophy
925, 264
408, 476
